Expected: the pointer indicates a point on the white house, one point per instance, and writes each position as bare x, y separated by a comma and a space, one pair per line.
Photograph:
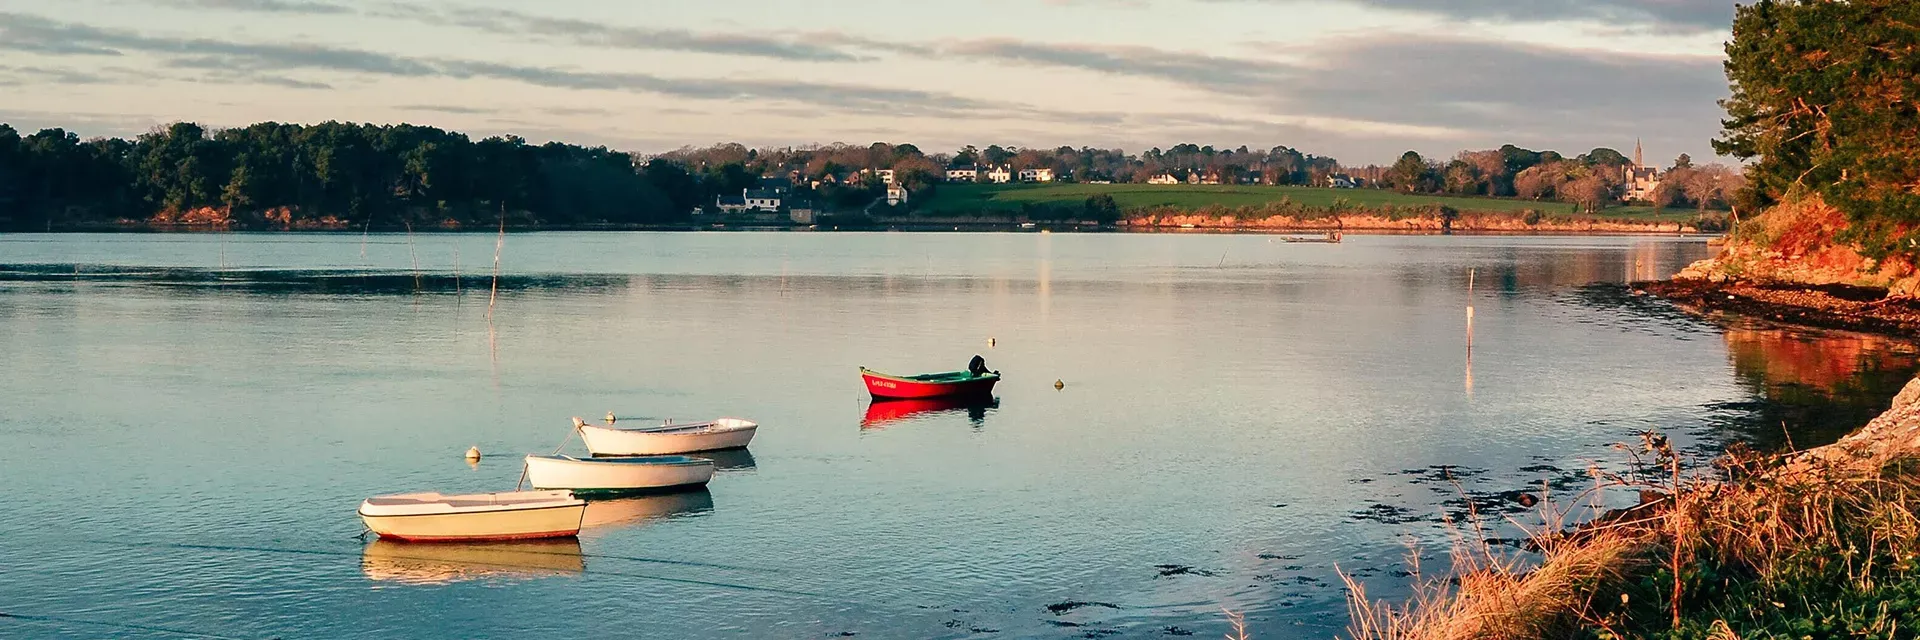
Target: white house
1163, 178
730, 204
886, 175
1036, 175
1340, 181
761, 200
963, 174
896, 195
1000, 175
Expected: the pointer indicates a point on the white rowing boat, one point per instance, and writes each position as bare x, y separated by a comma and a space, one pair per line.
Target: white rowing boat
514, 515
666, 439
607, 477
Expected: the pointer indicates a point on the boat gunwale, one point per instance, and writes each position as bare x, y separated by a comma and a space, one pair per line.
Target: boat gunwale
704, 428
683, 460
578, 504
994, 375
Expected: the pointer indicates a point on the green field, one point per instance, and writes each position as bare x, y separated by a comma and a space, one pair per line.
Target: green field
970, 199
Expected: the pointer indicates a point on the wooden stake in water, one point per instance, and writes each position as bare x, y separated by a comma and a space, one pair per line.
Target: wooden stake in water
499, 243
1469, 312
1470, 332
413, 256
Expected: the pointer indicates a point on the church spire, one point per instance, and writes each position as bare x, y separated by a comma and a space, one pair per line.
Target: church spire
1639, 157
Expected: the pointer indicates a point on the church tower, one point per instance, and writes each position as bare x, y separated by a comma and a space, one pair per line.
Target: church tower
1639, 157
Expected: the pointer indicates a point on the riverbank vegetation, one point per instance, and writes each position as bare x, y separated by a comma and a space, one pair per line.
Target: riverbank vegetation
1304, 201
1825, 117
1823, 544
336, 175
1817, 544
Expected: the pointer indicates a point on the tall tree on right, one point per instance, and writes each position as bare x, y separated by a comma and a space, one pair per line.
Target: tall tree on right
1822, 102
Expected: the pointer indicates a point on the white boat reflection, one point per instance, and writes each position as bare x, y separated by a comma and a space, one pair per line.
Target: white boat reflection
644, 509
450, 562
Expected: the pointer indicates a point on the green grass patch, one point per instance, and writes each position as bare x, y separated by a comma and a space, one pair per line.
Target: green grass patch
975, 199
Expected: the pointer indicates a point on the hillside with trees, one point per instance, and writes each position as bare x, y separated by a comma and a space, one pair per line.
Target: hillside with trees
1823, 109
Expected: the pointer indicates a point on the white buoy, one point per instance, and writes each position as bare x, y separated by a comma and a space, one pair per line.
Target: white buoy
610, 418
990, 342
473, 453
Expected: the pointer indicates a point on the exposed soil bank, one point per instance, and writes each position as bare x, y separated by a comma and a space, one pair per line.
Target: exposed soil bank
1828, 306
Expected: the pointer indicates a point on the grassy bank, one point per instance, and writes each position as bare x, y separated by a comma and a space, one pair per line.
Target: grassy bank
1818, 544
971, 199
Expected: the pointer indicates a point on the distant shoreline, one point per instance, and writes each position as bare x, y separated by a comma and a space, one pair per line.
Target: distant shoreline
1492, 225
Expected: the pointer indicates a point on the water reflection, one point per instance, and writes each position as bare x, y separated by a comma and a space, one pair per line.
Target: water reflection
730, 459
886, 413
449, 562
326, 281
1819, 385
645, 509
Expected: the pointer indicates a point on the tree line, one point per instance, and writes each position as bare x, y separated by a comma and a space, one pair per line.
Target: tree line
328, 175
346, 175
1592, 180
1823, 104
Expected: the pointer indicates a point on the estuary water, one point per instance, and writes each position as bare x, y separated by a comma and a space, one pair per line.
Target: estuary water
187, 422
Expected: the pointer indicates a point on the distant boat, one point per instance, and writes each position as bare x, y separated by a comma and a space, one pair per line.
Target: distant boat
610, 477
514, 515
929, 385
665, 439
1330, 237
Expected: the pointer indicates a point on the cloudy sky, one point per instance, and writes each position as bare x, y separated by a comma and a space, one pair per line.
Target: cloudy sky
1360, 80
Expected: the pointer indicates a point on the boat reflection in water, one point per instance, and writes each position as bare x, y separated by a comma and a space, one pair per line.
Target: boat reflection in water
729, 459
645, 509
450, 562
886, 413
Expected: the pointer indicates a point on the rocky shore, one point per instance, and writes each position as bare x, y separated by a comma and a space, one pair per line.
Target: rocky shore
1828, 306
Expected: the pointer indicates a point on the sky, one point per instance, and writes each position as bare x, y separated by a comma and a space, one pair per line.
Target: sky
1359, 80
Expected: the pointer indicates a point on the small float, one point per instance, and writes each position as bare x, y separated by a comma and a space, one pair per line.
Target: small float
667, 438
514, 515
611, 477
929, 385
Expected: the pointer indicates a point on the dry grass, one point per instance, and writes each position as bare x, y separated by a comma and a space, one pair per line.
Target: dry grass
1760, 527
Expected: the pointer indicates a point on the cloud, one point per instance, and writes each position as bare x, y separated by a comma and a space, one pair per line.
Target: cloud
1675, 16
1199, 70
445, 108
217, 57
1421, 90
1523, 91
797, 48
264, 6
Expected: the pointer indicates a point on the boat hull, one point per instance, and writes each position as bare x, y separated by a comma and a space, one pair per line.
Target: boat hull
607, 441
611, 477
887, 387
515, 524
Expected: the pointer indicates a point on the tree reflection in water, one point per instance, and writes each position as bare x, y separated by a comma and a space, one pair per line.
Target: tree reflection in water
1816, 385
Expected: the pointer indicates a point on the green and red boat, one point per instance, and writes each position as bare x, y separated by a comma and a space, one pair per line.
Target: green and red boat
929, 385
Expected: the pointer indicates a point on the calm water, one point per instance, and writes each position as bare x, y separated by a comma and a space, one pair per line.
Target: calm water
188, 421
